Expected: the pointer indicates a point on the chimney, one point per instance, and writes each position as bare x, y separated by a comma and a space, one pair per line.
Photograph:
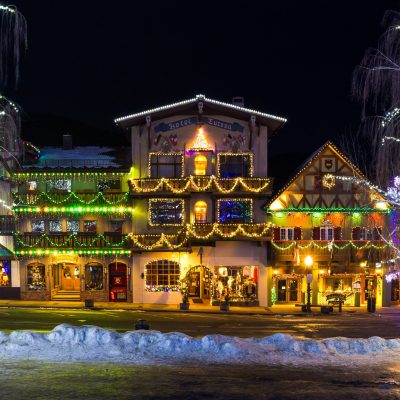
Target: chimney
238, 101
67, 142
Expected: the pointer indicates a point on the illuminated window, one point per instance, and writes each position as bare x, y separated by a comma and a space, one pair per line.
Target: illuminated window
326, 233
286, 233
37, 226
162, 275
93, 276
200, 165
73, 226
235, 211
200, 212
59, 185
89, 226
36, 276
166, 212
5, 273
31, 186
55, 226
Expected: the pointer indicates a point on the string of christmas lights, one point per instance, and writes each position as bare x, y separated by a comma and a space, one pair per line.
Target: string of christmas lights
315, 244
74, 210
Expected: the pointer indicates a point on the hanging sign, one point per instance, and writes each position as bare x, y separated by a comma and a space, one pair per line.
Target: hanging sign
170, 126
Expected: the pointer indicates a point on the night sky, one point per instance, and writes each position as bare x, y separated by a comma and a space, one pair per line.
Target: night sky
91, 61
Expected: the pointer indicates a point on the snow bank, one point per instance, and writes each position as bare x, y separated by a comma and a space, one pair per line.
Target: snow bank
90, 343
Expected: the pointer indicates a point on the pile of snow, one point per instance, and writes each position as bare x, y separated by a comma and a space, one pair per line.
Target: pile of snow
90, 343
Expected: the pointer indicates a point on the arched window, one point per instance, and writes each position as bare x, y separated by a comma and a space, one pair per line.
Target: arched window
200, 165
36, 276
162, 276
93, 276
200, 212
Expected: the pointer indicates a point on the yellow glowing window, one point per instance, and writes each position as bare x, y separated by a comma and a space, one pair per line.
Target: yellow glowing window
200, 165
200, 212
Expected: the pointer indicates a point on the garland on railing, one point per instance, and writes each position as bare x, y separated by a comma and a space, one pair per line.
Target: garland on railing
72, 237
46, 252
19, 200
313, 243
190, 232
202, 188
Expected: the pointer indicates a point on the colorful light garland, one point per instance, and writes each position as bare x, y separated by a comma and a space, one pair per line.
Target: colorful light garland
190, 184
75, 210
315, 244
311, 210
46, 252
22, 176
33, 199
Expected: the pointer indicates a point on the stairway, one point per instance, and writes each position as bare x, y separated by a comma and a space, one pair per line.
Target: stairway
67, 295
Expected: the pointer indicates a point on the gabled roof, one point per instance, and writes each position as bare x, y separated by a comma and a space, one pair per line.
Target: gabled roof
188, 106
309, 162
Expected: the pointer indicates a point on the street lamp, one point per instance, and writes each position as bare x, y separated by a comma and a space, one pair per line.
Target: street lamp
308, 261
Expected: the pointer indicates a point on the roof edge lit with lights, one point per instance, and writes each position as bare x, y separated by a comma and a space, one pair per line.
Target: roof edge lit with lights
200, 97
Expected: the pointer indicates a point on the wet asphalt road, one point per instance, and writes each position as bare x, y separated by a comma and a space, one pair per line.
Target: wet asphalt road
199, 324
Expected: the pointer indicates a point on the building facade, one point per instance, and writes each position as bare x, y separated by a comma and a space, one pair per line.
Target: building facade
338, 225
198, 183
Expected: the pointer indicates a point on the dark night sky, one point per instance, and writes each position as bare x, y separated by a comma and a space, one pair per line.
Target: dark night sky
91, 61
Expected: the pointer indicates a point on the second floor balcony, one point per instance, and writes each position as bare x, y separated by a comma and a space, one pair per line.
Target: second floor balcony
78, 240
196, 184
7, 224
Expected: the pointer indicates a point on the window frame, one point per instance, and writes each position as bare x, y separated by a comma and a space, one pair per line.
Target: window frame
243, 221
151, 204
286, 235
366, 233
170, 277
227, 155
101, 277
324, 231
176, 165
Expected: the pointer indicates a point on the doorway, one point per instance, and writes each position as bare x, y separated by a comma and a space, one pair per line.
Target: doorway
288, 290
69, 276
199, 279
118, 281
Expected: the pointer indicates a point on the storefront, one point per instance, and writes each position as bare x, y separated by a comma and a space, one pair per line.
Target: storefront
237, 283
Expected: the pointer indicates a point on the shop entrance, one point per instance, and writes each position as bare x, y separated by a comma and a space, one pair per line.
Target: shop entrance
69, 276
288, 290
199, 279
118, 281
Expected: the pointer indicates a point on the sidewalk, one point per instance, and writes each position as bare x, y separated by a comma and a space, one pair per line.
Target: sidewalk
281, 309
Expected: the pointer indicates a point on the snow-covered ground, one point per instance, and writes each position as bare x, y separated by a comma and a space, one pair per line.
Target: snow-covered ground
90, 343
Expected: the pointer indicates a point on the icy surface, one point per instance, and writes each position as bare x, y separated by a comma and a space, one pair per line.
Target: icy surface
90, 343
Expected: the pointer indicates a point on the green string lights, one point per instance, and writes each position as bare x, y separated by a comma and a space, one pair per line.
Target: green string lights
33, 199
72, 240
77, 209
313, 243
316, 210
47, 252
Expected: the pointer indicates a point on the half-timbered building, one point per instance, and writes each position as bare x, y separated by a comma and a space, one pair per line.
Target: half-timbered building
334, 222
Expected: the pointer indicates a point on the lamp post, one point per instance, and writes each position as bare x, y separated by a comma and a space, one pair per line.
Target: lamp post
308, 261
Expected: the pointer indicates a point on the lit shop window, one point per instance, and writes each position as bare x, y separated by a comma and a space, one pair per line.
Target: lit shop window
93, 276
235, 211
162, 276
200, 212
5, 273
200, 165
36, 276
166, 212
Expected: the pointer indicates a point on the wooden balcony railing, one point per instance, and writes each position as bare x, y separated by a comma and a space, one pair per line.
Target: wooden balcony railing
200, 184
72, 240
51, 199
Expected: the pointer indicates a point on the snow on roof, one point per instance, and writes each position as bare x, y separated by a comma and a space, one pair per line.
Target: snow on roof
90, 343
78, 157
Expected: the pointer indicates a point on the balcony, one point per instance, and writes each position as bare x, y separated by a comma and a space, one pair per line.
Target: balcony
68, 199
343, 250
79, 240
196, 184
200, 233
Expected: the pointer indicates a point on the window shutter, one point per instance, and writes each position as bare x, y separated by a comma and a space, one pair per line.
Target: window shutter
297, 233
316, 233
337, 233
356, 233
377, 233
277, 234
